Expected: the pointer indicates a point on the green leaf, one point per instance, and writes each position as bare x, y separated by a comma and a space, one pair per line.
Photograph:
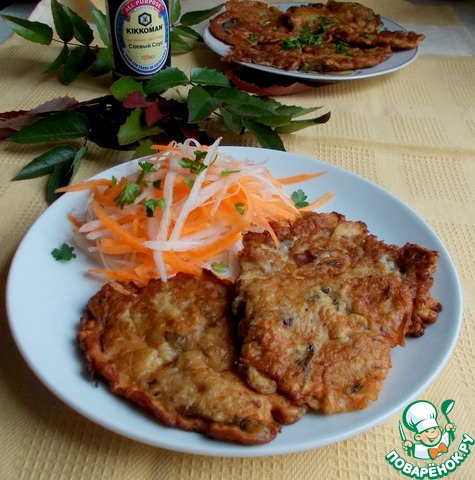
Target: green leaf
33, 31
124, 87
103, 63
144, 149
132, 130
233, 122
60, 177
237, 99
275, 120
248, 110
78, 159
188, 32
167, 78
178, 43
206, 76
296, 111
62, 22
78, 61
100, 20
58, 126
297, 125
82, 31
265, 135
46, 162
59, 61
193, 18
175, 12
200, 104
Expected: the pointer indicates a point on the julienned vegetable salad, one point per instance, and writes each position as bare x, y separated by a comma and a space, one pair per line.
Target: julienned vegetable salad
182, 211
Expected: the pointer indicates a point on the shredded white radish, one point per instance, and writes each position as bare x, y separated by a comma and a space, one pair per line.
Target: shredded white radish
182, 211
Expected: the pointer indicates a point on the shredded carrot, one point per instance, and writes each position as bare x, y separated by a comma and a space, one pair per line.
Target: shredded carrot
186, 213
318, 203
77, 223
300, 178
88, 184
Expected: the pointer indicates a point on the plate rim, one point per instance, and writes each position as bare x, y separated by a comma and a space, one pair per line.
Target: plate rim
225, 449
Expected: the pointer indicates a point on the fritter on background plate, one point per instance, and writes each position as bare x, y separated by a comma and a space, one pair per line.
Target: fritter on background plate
170, 347
331, 37
320, 313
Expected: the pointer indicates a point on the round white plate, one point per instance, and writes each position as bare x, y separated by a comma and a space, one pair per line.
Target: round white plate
44, 326
399, 59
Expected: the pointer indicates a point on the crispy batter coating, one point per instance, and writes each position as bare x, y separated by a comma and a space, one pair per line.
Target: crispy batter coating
331, 37
170, 347
320, 314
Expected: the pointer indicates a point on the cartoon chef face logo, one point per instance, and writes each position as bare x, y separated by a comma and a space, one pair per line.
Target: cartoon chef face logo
430, 439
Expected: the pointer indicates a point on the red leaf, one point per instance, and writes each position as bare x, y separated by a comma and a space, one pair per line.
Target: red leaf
268, 85
15, 120
56, 104
6, 133
135, 100
153, 114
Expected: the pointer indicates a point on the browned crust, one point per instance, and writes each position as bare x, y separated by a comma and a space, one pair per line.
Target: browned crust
320, 314
170, 348
347, 32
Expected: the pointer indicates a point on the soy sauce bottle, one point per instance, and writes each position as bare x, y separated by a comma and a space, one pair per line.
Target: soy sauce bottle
140, 37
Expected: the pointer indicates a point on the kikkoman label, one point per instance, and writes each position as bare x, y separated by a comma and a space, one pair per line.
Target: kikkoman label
142, 31
429, 448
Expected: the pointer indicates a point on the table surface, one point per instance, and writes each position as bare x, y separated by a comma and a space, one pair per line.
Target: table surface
411, 132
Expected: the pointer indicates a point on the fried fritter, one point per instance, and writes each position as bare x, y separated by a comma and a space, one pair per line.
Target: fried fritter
313, 58
170, 347
248, 21
333, 16
332, 37
320, 314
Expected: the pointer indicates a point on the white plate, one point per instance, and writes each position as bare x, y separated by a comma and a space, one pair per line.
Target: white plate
44, 326
399, 59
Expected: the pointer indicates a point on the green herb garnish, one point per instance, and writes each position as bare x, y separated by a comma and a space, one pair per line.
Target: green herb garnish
219, 267
225, 173
299, 198
194, 166
128, 194
146, 167
239, 207
152, 203
63, 253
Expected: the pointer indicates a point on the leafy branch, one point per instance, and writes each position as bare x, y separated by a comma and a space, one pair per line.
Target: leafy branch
78, 53
136, 115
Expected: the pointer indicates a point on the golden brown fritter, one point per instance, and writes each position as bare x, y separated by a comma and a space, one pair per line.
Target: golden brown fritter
313, 59
320, 313
170, 347
332, 37
248, 21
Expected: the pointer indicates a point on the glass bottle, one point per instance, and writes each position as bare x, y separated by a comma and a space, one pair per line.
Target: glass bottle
139, 31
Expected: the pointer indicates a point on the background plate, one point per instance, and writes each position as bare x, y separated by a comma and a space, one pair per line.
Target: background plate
44, 327
399, 59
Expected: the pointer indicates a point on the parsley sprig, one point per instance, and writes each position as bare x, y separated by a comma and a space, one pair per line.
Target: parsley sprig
196, 165
152, 203
128, 194
299, 198
64, 253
